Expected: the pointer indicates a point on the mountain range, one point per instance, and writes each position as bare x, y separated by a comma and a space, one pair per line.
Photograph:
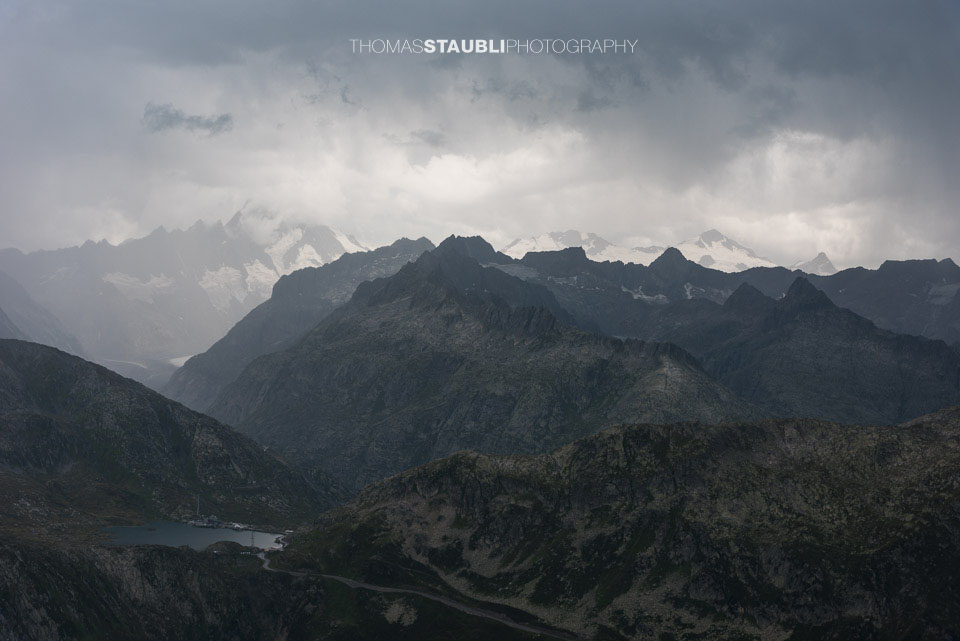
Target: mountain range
143, 306
709, 249
467, 348
447, 355
918, 297
647, 455
802, 356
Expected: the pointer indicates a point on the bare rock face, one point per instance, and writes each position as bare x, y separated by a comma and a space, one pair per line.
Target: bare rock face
773, 530
448, 355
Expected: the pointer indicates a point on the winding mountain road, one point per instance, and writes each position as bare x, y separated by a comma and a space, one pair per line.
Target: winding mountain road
447, 601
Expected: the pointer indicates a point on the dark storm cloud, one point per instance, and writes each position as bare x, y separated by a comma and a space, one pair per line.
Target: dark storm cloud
430, 137
792, 126
157, 118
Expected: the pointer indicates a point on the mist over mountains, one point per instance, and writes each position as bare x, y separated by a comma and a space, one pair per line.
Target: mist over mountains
709, 249
299, 301
305, 338
147, 304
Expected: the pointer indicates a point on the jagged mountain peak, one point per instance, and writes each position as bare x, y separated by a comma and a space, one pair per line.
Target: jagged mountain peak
671, 258
802, 293
820, 265
748, 298
567, 261
473, 246
459, 268
713, 236
920, 272
299, 302
710, 249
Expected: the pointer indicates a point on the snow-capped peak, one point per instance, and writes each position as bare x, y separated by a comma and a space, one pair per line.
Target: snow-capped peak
711, 249
820, 265
714, 250
596, 248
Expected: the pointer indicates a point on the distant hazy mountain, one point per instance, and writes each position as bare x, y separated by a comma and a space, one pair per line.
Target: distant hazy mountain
449, 355
710, 249
8, 329
143, 306
596, 247
820, 266
299, 301
80, 443
776, 529
31, 320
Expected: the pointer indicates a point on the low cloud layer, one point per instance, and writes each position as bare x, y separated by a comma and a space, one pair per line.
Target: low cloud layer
794, 128
157, 118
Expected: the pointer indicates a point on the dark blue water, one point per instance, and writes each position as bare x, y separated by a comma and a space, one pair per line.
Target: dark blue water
177, 534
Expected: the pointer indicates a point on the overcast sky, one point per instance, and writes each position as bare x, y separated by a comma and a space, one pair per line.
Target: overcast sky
793, 127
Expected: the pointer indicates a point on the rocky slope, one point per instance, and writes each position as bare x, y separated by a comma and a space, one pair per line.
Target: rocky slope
299, 301
80, 445
920, 297
781, 529
157, 593
449, 355
139, 305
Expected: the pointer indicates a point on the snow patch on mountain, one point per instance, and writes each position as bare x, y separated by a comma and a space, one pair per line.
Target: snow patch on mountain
224, 286
711, 249
260, 278
714, 250
637, 294
278, 249
136, 289
349, 244
307, 256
